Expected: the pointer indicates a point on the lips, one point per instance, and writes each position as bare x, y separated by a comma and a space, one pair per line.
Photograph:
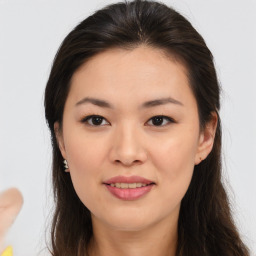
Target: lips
129, 194
128, 179
133, 193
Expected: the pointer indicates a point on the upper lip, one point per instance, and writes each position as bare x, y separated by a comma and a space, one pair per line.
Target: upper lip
128, 179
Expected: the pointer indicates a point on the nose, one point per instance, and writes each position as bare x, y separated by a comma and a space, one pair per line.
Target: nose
128, 147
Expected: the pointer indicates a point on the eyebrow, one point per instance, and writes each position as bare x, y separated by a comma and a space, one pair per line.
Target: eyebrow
147, 104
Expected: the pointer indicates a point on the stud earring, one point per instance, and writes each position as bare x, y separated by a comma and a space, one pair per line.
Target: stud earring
66, 165
200, 160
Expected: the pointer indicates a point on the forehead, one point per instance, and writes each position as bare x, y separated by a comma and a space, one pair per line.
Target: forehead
141, 73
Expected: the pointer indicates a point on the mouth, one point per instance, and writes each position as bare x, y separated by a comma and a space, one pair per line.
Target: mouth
129, 188
128, 185
121, 181
124, 192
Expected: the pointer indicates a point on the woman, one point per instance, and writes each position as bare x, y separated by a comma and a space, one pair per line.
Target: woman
132, 103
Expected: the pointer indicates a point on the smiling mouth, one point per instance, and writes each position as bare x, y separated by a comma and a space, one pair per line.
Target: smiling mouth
129, 185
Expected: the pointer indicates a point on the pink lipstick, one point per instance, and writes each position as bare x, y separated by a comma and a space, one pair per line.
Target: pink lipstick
132, 191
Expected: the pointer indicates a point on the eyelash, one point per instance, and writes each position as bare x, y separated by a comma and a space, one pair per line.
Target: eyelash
85, 120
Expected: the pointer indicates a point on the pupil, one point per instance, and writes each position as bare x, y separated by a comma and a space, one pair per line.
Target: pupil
96, 120
157, 120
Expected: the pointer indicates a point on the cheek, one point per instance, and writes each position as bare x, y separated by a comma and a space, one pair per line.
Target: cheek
82, 155
175, 150
174, 160
85, 152
85, 163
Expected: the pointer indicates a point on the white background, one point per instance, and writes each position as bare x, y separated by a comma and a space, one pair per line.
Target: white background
30, 33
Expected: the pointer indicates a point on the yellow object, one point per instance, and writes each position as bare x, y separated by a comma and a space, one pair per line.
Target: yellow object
8, 251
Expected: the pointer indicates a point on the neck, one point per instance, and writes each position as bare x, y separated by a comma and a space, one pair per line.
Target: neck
159, 239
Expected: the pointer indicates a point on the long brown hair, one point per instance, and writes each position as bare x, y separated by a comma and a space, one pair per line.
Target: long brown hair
205, 223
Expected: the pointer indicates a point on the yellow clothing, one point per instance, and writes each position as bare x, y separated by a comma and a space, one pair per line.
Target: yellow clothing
7, 252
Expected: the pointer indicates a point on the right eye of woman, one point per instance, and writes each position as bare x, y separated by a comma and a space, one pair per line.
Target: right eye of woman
94, 120
97, 120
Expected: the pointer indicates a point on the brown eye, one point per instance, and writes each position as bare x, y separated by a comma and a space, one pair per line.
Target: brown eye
161, 120
94, 120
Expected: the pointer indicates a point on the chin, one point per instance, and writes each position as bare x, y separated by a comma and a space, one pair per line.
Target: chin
129, 223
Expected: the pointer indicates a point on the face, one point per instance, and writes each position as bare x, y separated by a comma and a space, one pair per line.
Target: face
147, 126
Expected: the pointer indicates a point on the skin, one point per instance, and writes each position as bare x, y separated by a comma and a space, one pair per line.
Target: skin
128, 143
11, 201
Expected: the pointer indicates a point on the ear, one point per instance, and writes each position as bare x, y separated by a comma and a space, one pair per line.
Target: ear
59, 138
206, 139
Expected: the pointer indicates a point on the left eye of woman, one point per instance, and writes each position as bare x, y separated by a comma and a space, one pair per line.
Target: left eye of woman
160, 120
96, 120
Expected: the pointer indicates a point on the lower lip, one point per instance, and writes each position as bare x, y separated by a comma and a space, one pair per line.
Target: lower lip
129, 193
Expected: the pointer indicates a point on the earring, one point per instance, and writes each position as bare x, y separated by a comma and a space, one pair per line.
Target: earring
200, 160
66, 165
